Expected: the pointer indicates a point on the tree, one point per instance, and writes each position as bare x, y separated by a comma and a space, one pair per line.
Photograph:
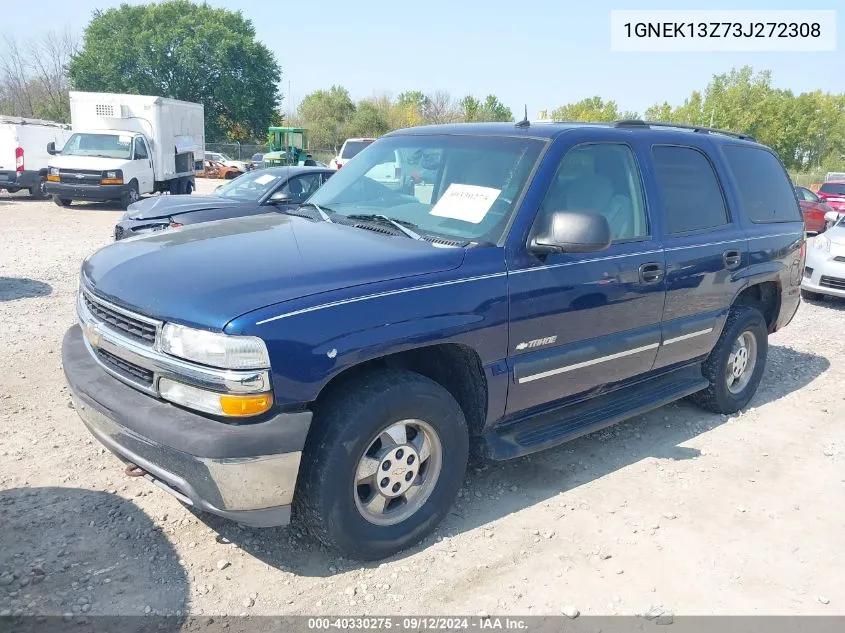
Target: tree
439, 108
33, 78
592, 109
369, 120
491, 109
326, 114
185, 51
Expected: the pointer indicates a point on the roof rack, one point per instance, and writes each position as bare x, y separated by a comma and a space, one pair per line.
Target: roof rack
635, 123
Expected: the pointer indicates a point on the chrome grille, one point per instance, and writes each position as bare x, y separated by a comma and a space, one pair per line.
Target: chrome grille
832, 282
137, 329
80, 177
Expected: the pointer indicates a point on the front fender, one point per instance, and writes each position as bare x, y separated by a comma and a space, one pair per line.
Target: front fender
310, 345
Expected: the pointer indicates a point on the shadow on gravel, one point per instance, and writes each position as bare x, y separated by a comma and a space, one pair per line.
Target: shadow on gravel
12, 288
827, 303
495, 489
72, 553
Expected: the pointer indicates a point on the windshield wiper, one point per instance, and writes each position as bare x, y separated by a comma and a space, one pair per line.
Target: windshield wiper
401, 225
323, 214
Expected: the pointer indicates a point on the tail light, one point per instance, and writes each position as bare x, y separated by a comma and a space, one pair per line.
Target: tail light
339, 165
398, 173
19, 159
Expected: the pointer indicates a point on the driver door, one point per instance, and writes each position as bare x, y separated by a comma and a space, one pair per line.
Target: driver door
142, 165
580, 321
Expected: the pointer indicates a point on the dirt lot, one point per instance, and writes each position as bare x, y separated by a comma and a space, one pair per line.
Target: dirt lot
679, 510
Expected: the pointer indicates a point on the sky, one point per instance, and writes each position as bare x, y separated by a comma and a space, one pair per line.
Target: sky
535, 53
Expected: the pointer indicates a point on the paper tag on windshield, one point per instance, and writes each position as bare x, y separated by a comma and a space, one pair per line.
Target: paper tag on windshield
265, 178
469, 203
124, 139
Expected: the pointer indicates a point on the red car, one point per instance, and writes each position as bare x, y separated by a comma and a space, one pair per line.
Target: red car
833, 193
813, 208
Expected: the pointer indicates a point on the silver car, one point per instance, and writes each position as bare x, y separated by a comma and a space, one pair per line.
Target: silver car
824, 271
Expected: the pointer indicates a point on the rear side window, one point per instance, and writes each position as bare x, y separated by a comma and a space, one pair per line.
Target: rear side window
764, 187
692, 197
837, 188
351, 148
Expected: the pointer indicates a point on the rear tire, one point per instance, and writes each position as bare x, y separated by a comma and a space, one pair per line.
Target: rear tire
39, 192
736, 364
62, 202
189, 187
368, 493
809, 295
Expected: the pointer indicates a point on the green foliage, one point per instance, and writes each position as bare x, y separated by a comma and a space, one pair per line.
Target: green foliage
326, 114
491, 109
186, 51
369, 120
591, 109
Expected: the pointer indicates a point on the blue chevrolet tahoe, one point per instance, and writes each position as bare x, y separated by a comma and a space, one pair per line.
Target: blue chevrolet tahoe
336, 364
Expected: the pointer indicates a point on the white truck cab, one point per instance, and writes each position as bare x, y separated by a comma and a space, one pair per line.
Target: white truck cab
125, 146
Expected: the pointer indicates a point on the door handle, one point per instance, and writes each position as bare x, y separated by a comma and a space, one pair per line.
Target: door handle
732, 259
651, 273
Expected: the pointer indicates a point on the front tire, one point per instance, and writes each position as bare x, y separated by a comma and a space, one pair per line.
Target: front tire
736, 364
131, 195
382, 464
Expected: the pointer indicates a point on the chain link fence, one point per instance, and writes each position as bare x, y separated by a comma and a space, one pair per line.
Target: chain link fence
245, 151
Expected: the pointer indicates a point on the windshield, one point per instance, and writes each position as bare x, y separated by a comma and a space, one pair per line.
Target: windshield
251, 186
458, 187
837, 188
352, 148
102, 145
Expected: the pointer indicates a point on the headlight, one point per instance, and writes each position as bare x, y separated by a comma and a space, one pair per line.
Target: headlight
822, 243
54, 171
214, 349
114, 174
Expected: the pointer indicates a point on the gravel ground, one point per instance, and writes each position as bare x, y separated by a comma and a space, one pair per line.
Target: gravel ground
677, 511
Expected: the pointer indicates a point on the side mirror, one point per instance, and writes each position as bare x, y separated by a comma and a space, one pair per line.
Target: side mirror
831, 216
280, 197
572, 232
51, 149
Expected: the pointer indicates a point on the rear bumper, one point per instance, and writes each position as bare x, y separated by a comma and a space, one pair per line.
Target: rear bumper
19, 179
86, 192
246, 473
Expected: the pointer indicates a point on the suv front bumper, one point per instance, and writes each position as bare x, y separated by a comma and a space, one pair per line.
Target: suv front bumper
246, 473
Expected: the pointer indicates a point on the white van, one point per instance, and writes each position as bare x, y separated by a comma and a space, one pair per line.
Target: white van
23, 153
124, 146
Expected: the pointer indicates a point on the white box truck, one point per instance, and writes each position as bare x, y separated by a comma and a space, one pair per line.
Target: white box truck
124, 146
23, 153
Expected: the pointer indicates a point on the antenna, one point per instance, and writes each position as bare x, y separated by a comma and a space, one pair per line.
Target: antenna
525, 122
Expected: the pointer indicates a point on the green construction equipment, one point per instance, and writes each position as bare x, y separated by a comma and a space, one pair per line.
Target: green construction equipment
287, 145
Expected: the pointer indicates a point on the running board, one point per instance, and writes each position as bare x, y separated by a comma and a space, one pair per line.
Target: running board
550, 428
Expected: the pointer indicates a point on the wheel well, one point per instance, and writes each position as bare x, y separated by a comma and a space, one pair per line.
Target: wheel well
457, 368
764, 296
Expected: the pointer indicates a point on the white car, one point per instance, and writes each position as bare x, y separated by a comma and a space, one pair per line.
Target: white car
229, 162
824, 270
350, 148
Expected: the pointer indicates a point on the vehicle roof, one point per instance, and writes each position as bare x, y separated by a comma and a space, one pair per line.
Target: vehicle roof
553, 129
292, 170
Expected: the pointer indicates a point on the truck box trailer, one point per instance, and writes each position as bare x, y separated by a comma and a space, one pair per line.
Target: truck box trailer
124, 146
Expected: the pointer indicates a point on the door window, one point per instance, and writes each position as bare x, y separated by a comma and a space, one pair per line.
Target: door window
600, 178
300, 188
691, 194
140, 149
